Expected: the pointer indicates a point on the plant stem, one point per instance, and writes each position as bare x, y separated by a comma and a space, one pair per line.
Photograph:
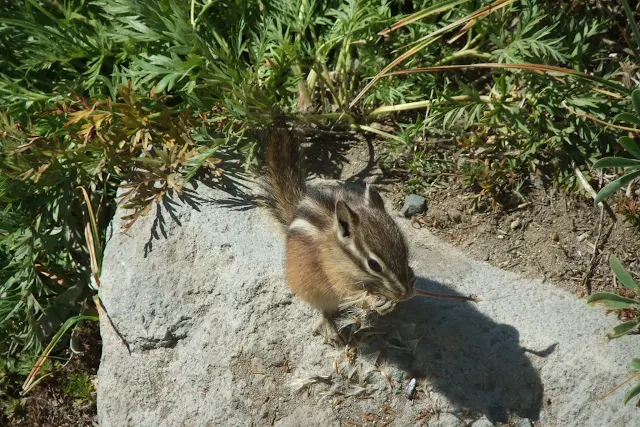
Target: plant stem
418, 292
632, 376
326, 79
426, 103
377, 132
332, 116
464, 53
400, 107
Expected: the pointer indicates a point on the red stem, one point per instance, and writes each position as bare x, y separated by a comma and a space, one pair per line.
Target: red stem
442, 296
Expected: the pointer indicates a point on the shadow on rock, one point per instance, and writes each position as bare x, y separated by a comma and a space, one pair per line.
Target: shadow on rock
232, 183
473, 361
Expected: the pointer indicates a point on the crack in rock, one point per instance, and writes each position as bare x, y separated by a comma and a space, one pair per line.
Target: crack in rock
170, 340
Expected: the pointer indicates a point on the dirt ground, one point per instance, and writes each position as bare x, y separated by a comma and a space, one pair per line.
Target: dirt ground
48, 405
552, 235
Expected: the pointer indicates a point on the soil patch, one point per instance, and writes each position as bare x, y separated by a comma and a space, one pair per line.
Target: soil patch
66, 398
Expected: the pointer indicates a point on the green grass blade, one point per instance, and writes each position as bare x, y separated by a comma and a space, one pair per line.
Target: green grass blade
616, 162
518, 66
616, 185
30, 381
434, 9
630, 145
631, 17
622, 274
624, 328
627, 117
430, 38
632, 393
611, 300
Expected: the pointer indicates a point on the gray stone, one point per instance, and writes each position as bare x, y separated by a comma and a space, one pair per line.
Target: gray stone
482, 422
525, 422
446, 420
303, 415
413, 205
213, 337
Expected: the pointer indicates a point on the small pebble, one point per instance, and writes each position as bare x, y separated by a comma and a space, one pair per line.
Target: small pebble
482, 422
554, 236
411, 388
515, 224
525, 422
583, 236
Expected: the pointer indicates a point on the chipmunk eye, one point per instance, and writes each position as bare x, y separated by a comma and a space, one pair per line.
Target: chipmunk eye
374, 265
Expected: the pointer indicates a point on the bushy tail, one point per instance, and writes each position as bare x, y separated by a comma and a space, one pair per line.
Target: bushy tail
284, 183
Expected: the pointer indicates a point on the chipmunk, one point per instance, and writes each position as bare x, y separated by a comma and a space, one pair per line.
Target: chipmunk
340, 242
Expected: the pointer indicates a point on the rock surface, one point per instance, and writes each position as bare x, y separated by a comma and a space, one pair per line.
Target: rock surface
413, 205
204, 332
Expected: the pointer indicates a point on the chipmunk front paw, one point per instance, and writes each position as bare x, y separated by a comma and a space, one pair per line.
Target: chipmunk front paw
380, 304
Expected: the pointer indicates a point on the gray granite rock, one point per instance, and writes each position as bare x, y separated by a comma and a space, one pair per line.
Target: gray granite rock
413, 205
212, 337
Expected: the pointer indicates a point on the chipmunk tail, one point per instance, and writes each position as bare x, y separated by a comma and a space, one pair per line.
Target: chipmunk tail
284, 183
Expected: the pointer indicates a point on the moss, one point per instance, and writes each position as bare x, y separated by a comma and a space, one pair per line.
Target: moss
78, 385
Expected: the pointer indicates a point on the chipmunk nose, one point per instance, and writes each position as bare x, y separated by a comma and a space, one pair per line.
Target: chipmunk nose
410, 291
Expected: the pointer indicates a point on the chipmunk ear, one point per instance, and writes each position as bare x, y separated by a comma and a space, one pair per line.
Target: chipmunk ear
373, 198
345, 220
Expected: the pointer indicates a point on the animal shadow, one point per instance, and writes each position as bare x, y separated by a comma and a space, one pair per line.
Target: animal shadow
476, 363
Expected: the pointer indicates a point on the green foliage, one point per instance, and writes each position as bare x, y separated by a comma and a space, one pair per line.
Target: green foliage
621, 302
628, 307
13, 408
631, 166
11, 370
78, 385
145, 95
635, 391
543, 124
140, 95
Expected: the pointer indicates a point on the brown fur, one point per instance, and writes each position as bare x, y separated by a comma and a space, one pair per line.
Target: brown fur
333, 235
284, 181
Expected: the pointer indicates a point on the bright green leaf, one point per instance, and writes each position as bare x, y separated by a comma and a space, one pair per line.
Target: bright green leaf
624, 328
633, 393
616, 162
612, 300
627, 117
623, 275
614, 186
635, 98
166, 82
630, 145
